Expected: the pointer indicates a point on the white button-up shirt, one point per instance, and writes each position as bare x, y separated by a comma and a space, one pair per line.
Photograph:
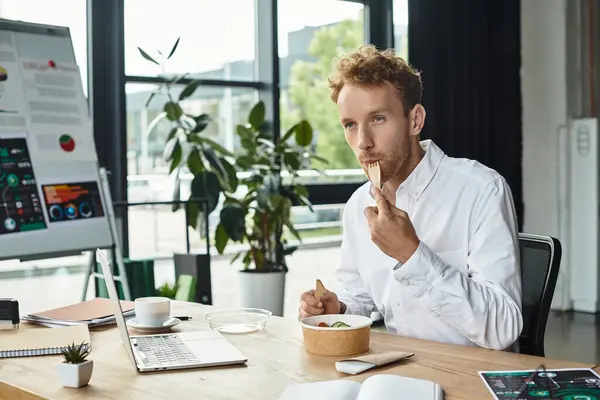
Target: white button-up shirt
463, 284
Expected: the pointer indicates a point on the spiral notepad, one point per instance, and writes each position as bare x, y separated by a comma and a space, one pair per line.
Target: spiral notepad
30, 342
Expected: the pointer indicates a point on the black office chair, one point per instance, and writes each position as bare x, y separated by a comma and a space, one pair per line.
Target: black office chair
540, 261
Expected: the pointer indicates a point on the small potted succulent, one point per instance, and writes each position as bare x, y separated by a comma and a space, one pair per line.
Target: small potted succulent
75, 371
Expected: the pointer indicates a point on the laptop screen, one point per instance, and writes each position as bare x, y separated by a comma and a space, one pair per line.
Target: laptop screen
114, 299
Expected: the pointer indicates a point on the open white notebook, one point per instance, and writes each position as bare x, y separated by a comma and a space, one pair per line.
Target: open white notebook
376, 387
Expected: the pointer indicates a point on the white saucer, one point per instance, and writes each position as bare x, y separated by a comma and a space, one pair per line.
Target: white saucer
168, 324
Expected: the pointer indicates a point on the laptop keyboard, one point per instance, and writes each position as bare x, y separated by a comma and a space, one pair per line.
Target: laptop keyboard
164, 350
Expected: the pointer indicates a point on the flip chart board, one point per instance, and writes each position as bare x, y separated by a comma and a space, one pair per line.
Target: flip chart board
51, 197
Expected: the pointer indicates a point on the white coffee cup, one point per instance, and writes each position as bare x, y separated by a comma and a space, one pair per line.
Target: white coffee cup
152, 311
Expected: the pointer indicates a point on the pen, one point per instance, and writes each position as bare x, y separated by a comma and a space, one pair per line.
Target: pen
184, 318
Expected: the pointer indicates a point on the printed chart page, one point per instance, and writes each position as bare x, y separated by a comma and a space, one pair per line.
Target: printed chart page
12, 103
575, 384
60, 125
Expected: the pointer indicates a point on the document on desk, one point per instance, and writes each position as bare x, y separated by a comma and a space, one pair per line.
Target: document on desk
40, 342
95, 312
575, 383
380, 387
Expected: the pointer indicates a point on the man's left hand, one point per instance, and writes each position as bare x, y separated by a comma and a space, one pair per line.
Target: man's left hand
391, 229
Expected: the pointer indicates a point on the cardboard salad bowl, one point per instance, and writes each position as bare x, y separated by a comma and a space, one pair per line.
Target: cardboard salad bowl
336, 339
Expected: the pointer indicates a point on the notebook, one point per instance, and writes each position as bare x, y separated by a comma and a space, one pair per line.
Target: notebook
42, 341
380, 387
95, 312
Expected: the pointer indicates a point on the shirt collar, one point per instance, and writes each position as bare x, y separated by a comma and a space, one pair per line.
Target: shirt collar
421, 176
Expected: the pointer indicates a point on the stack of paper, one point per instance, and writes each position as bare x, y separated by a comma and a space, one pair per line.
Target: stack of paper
93, 313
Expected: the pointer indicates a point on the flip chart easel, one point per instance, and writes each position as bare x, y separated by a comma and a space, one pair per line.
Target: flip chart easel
54, 197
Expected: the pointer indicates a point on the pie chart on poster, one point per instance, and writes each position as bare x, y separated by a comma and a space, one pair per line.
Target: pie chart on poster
3, 74
66, 143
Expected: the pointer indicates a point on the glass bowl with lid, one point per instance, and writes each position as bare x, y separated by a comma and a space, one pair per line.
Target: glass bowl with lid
238, 320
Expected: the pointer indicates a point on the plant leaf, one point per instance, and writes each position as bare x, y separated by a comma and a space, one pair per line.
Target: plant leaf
248, 144
177, 154
194, 162
173, 49
206, 185
257, 115
216, 146
150, 99
289, 250
221, 238
244, 162
173, 111
147, 56
247, 259
189, 89
266, 142
213, 160
233, 219
172, 133
176, 193
304, 133
306, 202
193, 211
234, 259
169, 149
289, 133
262, 196
243, 131
231, 174
202, 122
321, 159
292, 160
293, 230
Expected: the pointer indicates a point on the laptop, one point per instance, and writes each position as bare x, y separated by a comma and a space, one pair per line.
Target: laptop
183, 350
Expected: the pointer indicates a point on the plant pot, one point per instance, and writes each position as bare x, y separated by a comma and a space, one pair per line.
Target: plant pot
75, 375
263, 290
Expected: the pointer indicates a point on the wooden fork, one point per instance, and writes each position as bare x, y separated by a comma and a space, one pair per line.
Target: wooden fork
374, 173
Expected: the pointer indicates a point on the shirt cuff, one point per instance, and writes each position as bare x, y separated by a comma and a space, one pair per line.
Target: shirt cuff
424, 266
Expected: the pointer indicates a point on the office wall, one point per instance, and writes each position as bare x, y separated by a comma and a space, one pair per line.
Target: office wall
544, 97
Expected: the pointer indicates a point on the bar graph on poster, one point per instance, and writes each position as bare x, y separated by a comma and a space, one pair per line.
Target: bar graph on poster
51, 197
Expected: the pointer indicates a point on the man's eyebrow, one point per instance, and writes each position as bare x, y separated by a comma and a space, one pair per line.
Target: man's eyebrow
378, 111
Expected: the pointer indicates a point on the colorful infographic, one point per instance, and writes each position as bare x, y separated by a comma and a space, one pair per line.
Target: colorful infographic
20, 208
571, 384
72, 201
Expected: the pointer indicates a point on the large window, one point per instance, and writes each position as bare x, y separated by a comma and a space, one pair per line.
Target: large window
53, 13
216, 43
309, 41
217, 37
401, 28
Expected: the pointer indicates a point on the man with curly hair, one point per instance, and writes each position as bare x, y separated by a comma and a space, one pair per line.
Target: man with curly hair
435, 250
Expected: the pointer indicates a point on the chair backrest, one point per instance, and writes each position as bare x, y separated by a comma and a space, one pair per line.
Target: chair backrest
540, 261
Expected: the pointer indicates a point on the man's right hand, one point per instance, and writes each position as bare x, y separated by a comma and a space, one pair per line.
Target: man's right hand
310, 306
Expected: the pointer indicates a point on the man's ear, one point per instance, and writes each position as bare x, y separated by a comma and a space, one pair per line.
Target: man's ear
417, 119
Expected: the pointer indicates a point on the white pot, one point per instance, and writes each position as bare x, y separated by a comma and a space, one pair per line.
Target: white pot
75, 375
263, 290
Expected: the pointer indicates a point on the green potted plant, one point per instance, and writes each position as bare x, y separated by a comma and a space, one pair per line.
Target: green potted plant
186, 145
261, 217
167, 290
76, 370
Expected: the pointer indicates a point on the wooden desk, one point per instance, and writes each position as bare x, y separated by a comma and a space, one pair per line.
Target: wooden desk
276, 357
